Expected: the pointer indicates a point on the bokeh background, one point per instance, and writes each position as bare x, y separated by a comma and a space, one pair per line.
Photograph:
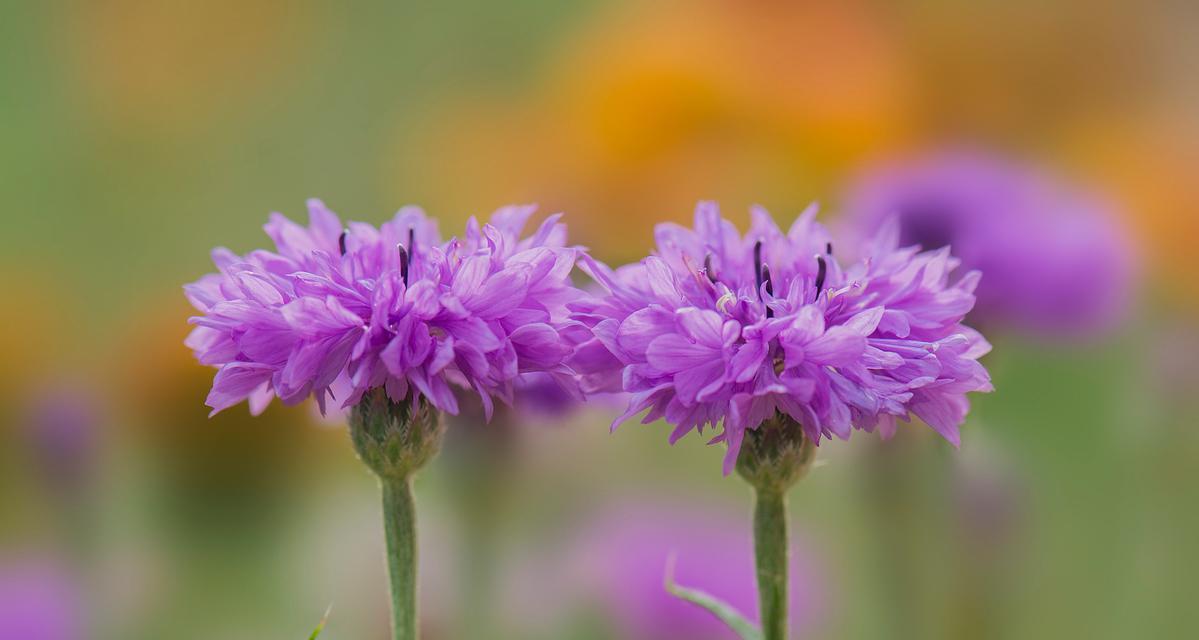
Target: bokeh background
136, 135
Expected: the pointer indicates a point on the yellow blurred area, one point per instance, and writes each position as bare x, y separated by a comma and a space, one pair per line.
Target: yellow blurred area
165, 69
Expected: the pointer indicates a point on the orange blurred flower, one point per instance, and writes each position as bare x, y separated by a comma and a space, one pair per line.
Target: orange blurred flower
656, 105
1147, 162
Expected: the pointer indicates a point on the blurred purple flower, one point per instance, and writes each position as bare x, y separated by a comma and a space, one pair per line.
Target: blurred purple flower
63, 423
1056, 260
39, 601
343, 312
716, 327
627, 551
539, 395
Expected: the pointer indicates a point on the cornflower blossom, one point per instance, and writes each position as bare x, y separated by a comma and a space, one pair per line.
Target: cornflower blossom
719, 329
1057, 259
390, 317
357, 308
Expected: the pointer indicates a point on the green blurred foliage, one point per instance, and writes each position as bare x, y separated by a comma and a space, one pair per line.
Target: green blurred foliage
137, 135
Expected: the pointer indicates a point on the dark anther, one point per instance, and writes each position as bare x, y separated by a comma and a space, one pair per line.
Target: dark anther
762, 275
341, 242
765, 275
406, 254
403, 262
708, 269
821, 272
828, 248
758, 265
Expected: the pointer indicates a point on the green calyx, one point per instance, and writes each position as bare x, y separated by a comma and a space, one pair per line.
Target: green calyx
775, 455
395, 439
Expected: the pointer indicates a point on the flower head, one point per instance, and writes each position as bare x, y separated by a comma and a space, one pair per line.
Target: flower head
1056, 259
717, 328
337, 311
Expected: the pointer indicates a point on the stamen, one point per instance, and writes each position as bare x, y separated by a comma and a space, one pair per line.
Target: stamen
821, 272
407, 254
828, 248
762, 275
708, 268
723, 302
758, 267
403, 262
341, 241
769, 288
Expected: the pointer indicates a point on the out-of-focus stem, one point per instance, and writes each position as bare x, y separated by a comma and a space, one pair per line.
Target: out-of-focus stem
484, 458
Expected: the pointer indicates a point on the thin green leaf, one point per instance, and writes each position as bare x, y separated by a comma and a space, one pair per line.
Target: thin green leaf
745, 629
321, 627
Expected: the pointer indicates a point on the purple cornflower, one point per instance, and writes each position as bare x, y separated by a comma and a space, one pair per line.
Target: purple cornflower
1057, 260
719, 328
357, 308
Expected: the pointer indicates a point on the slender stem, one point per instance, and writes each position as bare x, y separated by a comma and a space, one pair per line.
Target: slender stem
399, 526
770, 554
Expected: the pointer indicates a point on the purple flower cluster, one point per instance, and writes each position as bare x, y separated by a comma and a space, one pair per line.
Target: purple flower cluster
347, 309
716, 328
1056, 259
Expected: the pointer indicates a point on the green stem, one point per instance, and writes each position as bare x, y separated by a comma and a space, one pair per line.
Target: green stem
770, 554
399, 526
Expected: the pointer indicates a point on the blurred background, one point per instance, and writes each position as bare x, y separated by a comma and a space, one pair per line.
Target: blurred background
1055, 142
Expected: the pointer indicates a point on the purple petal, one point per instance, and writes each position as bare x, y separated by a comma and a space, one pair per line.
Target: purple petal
673, 352
234, 383
839, 346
